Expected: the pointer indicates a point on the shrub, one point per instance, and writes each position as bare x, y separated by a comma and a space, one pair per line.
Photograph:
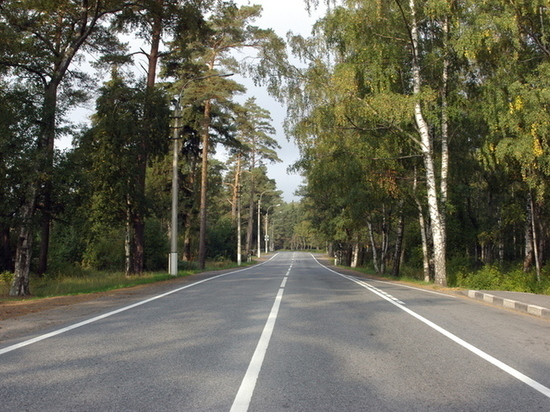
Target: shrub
222, 240
156, 246
493, 278
106, 252
489, 277
7, 277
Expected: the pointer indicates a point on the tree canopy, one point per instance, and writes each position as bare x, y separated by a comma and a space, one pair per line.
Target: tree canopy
423, 129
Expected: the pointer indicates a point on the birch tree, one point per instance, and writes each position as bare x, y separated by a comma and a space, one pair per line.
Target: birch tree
507, 45
384, 78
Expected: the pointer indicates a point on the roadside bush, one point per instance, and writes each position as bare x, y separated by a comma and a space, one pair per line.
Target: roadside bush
156, 246
7, 279
222, 240
411, 272
106, 252
66, 248
491, 277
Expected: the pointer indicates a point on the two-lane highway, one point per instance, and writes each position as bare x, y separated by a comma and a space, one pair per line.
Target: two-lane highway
288, 334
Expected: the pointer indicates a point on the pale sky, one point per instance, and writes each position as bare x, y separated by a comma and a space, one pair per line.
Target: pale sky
282, 16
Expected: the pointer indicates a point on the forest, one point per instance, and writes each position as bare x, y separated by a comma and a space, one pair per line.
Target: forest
423, 128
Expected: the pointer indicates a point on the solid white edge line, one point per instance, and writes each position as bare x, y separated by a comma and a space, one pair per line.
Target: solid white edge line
248, 384
114, 312
499, 364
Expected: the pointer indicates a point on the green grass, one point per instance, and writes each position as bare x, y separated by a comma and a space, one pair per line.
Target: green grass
94, 282
487, 278
81, 281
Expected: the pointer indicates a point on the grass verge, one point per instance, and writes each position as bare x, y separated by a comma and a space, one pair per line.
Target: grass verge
83, 281
485, 278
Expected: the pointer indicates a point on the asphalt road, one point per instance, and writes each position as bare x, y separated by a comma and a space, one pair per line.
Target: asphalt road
288, 334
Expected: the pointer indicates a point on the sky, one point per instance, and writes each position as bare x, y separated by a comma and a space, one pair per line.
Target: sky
282, 16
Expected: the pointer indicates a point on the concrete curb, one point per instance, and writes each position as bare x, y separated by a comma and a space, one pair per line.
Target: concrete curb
510, 304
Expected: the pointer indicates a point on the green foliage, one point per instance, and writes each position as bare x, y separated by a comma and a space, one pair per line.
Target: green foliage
105, 251
494, 278
352, 117
66, 250
156, 246
7, 277
350, 110
92, 192
19, 113
222, 240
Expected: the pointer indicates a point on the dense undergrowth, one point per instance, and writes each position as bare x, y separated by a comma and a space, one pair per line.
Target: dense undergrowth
494, 278
490, 277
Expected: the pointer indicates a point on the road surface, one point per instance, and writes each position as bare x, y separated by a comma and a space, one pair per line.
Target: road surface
288, 334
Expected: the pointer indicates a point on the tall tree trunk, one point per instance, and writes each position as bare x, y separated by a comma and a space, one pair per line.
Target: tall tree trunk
239, 237
204, 183
156, 34
386, 229
44, 167
137, 254
445, 125
437, 225
250, 227
45, 235
535, 237
236, 188
399, 241
66, 44
128, 242
6, 258
374, 248
426, 254
187, 244
46, 147
355, 253
20, 285
529, 253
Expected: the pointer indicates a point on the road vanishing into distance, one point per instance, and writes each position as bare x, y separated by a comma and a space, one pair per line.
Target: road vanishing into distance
285, 335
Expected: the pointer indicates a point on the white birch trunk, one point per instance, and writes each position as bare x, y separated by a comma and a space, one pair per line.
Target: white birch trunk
374, 250
445, 127
127, 240
355, 254
423, 233
535, 239
437, 229
239, 241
